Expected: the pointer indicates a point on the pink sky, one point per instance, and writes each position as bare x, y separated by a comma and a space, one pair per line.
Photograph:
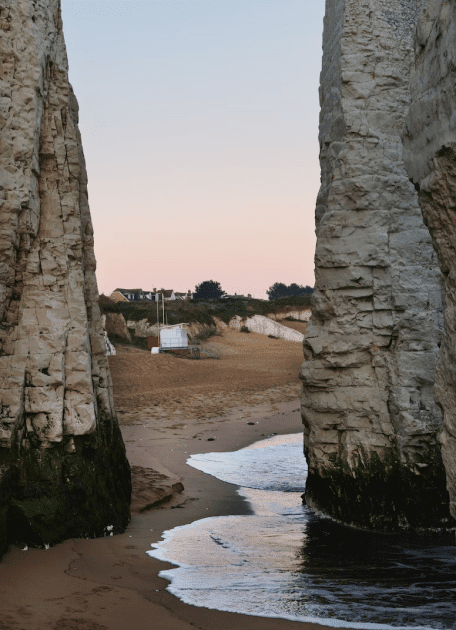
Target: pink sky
199, 124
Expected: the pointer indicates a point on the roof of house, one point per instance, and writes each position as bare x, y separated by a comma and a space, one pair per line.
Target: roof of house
128, 290
139, 294
167, 293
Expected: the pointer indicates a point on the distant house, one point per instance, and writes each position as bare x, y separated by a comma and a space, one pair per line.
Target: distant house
151, 296
168, 294
118, 296
183, 296
138, 295
133, 295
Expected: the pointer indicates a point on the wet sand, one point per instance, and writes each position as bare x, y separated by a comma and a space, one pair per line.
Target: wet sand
110, 583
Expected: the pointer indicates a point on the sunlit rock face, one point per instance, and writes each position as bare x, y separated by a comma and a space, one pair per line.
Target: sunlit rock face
63, 469
430, 155
371, 423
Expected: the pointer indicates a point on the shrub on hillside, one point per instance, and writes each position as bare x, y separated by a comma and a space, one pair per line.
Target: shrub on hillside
208, 290
207, 333
304, 301
129, 310
281, 290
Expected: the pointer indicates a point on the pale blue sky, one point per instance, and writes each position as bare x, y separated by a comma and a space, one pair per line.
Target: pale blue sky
199, 123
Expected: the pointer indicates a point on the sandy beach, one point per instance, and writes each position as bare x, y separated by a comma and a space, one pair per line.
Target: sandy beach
168, 408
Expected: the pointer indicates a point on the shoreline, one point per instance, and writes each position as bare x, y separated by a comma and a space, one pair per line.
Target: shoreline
111, 583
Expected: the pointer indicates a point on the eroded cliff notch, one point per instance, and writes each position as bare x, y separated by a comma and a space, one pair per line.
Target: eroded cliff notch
371, 423
63, 468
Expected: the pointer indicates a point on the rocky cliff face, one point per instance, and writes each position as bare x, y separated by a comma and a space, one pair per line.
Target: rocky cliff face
430, 154
115, 324
371, 423
63, 470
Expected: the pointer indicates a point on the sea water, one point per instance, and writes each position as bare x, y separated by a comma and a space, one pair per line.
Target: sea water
283, 561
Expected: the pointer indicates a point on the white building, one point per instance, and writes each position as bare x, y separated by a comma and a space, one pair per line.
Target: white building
173, 337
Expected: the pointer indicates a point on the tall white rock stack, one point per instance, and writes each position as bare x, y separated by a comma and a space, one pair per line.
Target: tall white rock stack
371, 423
63, 469
430, 155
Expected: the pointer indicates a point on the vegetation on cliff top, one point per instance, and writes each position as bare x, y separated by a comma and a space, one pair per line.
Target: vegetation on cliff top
203, 312
281, 290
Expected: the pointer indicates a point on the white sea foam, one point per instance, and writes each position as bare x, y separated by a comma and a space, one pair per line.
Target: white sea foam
276, 463
283, 562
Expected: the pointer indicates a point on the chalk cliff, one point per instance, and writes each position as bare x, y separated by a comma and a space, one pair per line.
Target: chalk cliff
371, 423
63, 469
430, 155
115, 324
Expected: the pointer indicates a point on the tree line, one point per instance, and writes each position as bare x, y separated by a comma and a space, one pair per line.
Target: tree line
211, 290
281, 290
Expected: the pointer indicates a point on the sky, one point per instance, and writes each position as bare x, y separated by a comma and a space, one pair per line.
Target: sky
199, 123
